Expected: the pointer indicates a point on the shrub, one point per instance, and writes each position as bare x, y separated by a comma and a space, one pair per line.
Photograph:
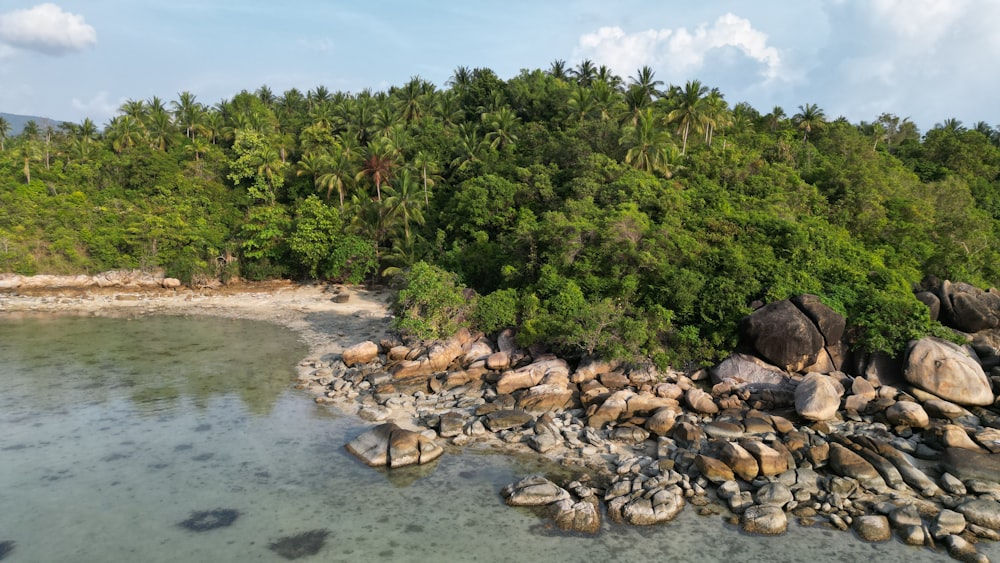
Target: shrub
496, 311
431, 305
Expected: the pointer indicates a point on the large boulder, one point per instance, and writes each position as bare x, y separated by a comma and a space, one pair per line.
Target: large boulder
817, 397
746, 371
948, 371
967, 464
534, 491
969, 308
783, 335
830, 323
390, 445
360, 353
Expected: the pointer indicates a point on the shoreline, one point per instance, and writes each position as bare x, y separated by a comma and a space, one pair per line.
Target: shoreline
325, 326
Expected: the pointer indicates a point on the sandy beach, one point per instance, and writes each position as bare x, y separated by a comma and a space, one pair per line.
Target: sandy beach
325, 325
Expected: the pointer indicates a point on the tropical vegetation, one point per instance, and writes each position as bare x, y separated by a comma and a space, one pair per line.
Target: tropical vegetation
602, 215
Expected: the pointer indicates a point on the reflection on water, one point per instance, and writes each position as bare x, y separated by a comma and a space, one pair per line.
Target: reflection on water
178, 439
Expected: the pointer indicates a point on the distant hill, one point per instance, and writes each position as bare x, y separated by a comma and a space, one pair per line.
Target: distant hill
17, 122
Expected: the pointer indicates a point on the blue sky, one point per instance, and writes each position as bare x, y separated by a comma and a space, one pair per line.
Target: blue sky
928, 60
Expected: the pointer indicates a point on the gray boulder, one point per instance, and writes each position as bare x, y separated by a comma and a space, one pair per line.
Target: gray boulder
948, 371
817, 397
389, 445
783, 335
968, 308
746, 371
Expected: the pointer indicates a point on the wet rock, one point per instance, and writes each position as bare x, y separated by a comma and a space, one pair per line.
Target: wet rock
946, 523
766, 520
300, 545
360, 353
576, 516
775, 494
646, 510
959, 548
946, 370
873, 528
534, 490
983, 512
817, 398
389, 445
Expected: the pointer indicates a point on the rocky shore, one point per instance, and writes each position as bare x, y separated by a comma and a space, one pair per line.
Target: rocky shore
792, 425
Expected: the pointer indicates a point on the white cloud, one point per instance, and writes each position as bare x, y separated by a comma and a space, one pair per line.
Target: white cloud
99, 106
46, 28
679, 51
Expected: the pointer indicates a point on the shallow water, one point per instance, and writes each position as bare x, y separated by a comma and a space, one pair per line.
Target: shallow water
112, 432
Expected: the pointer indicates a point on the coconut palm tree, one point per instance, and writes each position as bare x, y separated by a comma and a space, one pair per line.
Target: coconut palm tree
379, 163
403, 202
428, 168
501, 125
646, 83
188, 113
338, 170
689, 109
558, 70
650, 147
585, 73
810, 118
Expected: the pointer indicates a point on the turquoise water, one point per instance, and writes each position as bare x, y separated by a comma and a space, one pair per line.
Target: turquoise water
113, 432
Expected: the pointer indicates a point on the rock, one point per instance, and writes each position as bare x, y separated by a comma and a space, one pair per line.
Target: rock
766, 520
611, 409
662, 421
745, 371
739, 460
846, 463
932, 301
960, 549
906, 413
873, 528
967, 464
713, 469
775, 494
389, 445
861, 387
360, 353
478, 350
955, 436
983, 512
783, 335
629, 434
948, 522
498, 361
817, 398
770, 461
968, 308
534, 491
662, 506
700, 401
545, 398
451, 424
171, 283
830, 323
580, 516
506, 419
989, 438
948, 371
590, 368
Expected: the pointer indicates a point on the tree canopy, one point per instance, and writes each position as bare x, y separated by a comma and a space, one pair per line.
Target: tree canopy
623, 217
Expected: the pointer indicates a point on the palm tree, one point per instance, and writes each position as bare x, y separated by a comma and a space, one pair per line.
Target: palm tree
501, 124
470, 146
411, 99
775, 118
27, 150
379, 163
650, 147
716, 115
4, 131
809, 118
402, 202
605, 75
585, 72
461, 78
581, 103
607, 100
688, 112
124, 132
428, 171
952, 125
448, 109
338, 170
646, 84
558, 70
188, 112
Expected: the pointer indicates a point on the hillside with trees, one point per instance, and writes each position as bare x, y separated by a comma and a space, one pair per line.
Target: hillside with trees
601, 214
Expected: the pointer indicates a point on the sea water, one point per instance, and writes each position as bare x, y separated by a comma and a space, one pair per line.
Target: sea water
115, 433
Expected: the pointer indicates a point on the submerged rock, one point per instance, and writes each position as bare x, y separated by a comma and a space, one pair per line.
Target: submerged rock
764, 519
390, 445
205, 520
300, 545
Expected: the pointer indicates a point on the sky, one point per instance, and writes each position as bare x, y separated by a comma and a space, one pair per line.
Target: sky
928, 60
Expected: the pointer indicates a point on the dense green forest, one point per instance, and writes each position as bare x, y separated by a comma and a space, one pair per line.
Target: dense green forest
602, 214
